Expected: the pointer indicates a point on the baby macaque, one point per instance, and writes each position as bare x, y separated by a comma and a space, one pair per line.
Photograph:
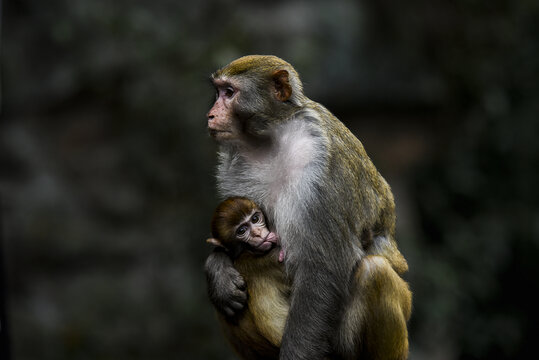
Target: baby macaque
239, 225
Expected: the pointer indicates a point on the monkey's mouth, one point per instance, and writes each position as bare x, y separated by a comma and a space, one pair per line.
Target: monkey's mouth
265, 246
269, 242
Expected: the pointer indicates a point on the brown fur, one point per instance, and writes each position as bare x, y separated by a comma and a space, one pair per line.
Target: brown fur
374, 322
257, 332
227, 216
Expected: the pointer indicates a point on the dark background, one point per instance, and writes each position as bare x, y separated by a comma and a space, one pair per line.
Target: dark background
107, 171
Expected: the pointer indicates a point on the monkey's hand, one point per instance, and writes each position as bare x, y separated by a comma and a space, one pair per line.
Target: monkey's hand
226, 287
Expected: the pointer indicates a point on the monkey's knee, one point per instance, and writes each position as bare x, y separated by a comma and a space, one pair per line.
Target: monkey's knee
376, 279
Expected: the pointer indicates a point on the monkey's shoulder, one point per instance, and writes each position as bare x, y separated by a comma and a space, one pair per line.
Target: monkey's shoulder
332, 132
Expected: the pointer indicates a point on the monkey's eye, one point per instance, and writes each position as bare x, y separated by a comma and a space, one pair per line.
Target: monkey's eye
229, 92
256, 218
242, 230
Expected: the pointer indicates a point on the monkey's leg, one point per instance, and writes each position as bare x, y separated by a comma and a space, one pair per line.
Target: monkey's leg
374, 322
246, 339
388, 303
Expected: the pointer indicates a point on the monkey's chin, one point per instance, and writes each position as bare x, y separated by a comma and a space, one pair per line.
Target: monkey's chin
221, 135
265, 247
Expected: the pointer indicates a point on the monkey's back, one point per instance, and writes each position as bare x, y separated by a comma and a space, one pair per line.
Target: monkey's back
373, 197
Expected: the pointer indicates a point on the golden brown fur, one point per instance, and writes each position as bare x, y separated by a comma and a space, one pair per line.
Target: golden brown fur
227, 216
374, 322
256, 333
373, 325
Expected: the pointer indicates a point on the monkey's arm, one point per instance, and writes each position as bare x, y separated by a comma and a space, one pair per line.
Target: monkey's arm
226, 287
321, 262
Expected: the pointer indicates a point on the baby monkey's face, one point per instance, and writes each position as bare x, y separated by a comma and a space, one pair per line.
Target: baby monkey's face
253, 231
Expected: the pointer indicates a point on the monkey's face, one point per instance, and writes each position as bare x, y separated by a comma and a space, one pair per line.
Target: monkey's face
242, 111
254, 232
222, 123
252, 95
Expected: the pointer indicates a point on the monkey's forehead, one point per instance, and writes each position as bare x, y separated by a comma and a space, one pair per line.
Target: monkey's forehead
240, 219
220, 80
258, 63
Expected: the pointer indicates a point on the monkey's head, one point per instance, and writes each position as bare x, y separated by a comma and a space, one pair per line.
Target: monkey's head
238, 224
253, 94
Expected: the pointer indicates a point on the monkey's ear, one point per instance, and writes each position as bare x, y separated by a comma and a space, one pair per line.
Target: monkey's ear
283, 90
215, 242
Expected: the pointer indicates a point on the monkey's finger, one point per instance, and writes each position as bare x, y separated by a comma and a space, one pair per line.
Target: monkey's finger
228, 311
240, 296
240, 283
236, 305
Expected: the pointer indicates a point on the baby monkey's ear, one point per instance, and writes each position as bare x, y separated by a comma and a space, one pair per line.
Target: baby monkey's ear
215, 242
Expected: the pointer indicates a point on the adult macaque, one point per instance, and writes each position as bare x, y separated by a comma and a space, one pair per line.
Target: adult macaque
383, 302
320, 192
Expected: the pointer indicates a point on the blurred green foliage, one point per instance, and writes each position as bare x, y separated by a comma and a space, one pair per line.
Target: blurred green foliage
107, 182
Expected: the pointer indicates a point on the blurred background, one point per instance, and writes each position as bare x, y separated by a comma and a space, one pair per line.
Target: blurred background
107, 172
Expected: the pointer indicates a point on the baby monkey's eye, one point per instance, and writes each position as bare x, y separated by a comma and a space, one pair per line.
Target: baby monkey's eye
256, 218
241, 230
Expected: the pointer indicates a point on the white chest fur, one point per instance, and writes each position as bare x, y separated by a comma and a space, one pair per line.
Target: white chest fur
267, 177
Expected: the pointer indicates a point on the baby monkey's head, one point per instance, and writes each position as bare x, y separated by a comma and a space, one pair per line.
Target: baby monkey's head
238, 224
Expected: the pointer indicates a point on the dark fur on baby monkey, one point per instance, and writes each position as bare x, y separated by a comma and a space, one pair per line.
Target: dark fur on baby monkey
238, 226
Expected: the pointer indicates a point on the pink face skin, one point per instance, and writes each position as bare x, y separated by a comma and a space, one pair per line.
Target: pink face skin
220, 118
254, 232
